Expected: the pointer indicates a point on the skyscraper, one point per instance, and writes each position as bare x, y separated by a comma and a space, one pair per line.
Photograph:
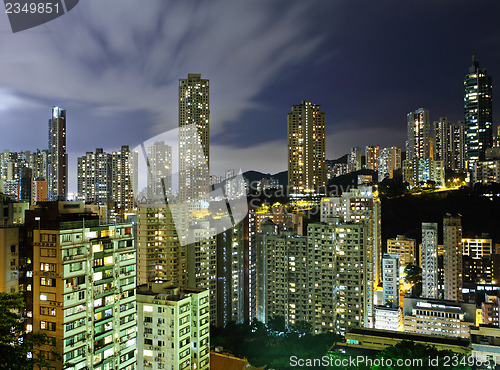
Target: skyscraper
306, 148
354, 159
419, 131
80, 286
124, 174
441, 147
94, 177
429, 260
194, 150
390, 271
160, 170
456, 145
57, 159
371, 157
452, 245
477, 113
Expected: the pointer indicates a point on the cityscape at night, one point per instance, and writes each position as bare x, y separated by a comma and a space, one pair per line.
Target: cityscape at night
249, 185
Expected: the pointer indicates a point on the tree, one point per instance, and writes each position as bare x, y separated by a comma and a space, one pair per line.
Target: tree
277, 324
414, 277
16, 346
431, 357
413, 274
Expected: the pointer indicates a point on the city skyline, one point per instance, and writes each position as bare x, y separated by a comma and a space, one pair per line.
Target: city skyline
250, 95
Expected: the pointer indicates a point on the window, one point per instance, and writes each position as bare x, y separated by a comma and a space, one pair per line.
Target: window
47, 282
47, 325
51, 267
48, 252
48, 311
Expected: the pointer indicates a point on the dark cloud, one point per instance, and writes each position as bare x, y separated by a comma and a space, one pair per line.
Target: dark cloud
115, 66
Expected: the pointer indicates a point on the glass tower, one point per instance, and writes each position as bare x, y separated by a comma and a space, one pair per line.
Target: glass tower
477, 113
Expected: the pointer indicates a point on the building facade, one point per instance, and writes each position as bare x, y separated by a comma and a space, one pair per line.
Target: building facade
306, 148
80, 287
428, 260
194, 141
57, 160
477, 113
173, 327
453, 268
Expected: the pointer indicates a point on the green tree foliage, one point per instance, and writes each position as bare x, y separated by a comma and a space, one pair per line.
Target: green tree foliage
16, 346
414, 277
262, 345
407, 350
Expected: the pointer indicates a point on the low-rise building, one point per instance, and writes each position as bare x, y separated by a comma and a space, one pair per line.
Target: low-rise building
485, 344
376, 339
438, 317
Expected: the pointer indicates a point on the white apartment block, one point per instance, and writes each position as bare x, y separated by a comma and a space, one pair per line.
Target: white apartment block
173, 327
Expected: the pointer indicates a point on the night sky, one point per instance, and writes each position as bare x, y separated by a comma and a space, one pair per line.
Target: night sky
114, 65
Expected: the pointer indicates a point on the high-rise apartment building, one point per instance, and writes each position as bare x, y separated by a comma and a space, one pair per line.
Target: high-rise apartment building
160, 256
429, 260
419, 131
282, 283
124, 175
194, 145
202, 262
9, 244
108, 178
57, 157
95, 177
232, 274
456, 145
441, 147
389, 161
391, 284
306, 148
404, 247
354, 159
173, 327
79, 281
362, 206
477, 113
452, 244
339, 259
372, 154
159, 170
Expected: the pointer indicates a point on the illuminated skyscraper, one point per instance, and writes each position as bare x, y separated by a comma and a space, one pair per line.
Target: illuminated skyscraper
160, 170
306, 148
354, 159
419, 130
477, 113
57, 159
194, 181
372, 154
429, 260
124, 173
452, 244
94, 177
441, 144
